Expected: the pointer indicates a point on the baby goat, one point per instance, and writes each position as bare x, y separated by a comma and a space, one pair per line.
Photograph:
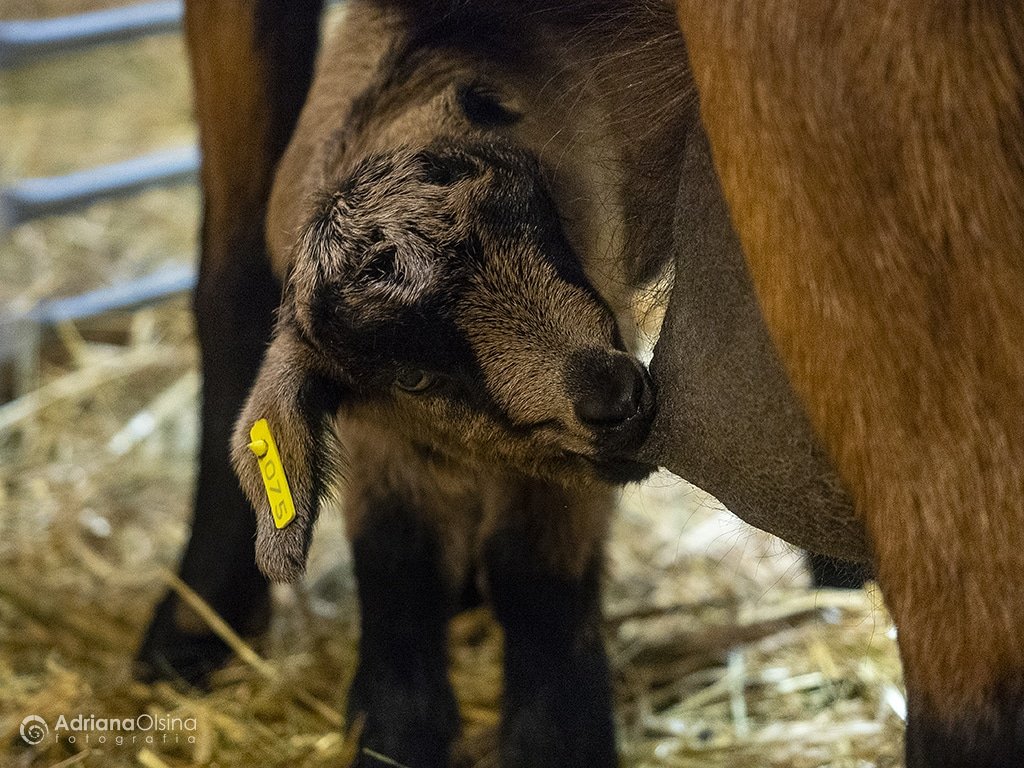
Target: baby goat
436, 315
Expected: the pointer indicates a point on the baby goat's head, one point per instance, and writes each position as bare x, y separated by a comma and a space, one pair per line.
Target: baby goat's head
433, 294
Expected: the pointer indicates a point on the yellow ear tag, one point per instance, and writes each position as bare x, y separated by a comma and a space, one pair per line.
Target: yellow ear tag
278, 493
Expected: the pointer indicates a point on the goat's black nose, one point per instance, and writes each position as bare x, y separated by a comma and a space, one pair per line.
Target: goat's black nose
607, 387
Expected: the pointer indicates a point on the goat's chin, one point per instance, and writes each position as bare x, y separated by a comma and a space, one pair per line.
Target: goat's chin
620, 471
576, 469
552, 463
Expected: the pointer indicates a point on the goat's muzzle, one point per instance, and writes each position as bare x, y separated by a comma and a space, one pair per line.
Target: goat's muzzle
613, 397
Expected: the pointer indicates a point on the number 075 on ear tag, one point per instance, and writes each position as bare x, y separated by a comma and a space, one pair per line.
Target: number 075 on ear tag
278, 494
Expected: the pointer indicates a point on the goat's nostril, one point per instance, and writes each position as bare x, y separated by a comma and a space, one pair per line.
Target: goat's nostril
614, 393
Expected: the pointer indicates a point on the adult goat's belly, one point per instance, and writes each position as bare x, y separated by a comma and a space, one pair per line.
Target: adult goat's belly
728, 420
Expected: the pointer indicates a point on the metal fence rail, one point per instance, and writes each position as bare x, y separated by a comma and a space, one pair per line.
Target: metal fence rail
24, 41
32, 198
166, 281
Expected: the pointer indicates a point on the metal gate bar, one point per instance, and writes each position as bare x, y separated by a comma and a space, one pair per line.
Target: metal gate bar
164, 282
24, 41
31, 198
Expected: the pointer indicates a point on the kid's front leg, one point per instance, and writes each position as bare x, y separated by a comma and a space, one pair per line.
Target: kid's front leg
543, 564
401, 691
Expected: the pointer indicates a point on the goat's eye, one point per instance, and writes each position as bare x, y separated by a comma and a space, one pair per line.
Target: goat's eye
482, 105
380, 266
414, 380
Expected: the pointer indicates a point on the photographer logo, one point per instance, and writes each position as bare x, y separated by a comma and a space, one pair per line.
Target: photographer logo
34, 729
145, 729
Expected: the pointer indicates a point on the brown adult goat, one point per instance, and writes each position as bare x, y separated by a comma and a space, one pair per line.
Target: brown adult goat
871, 160
872, 156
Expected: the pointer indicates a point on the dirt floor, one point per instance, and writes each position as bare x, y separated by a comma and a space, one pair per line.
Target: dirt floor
722, 655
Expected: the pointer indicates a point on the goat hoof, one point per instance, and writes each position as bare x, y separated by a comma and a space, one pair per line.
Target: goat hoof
170, 653
415, 727
186, 660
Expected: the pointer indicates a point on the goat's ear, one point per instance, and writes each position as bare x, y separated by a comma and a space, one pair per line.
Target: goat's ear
298, 404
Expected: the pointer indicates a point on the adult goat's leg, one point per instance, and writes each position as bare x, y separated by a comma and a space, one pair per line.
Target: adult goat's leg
251, 64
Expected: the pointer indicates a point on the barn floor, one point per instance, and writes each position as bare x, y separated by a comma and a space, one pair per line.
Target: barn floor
721, 655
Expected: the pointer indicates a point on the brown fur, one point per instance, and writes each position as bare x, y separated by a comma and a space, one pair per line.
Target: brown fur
873, 162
